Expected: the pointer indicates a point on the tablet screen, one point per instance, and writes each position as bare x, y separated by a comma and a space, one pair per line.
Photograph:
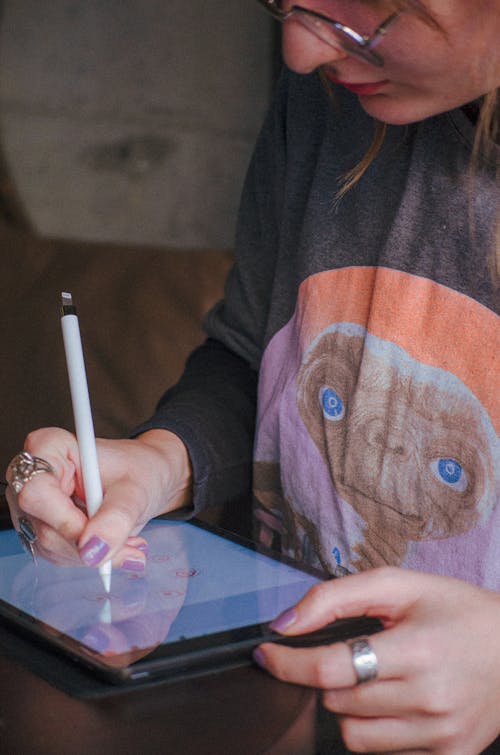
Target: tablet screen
197, 583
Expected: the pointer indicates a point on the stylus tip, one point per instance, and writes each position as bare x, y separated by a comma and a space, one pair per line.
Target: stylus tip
105, 572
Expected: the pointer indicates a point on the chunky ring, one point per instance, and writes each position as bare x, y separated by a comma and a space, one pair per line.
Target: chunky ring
23, 467
364, 659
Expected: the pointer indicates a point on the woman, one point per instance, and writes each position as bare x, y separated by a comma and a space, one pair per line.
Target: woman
369, 311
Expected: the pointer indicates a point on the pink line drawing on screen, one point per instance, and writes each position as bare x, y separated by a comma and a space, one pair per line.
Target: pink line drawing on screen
186, 572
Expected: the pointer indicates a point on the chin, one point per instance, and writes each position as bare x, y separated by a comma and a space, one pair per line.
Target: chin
385, 109
395, 111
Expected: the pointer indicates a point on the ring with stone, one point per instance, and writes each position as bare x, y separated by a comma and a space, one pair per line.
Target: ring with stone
23, 467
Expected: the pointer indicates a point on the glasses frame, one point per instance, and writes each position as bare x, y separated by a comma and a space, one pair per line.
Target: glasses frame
348, 39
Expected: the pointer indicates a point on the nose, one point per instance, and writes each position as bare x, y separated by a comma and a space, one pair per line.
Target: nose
303, 51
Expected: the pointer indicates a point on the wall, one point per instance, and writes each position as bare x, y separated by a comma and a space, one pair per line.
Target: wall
132, 121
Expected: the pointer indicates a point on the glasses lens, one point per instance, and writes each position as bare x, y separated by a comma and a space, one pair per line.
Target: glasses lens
337, 37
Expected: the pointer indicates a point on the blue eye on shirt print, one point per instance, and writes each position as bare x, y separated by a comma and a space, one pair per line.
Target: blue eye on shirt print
331, 403
450, 472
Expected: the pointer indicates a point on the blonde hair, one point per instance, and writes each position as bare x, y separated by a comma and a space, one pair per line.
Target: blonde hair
487, 135
486, 139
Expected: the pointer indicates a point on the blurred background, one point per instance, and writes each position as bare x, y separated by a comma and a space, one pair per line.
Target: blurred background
126, 127
132, 120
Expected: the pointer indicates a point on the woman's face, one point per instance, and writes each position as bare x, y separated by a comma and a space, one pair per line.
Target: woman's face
426, 70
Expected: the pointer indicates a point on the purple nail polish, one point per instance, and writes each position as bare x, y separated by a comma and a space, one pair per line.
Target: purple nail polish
94, 551
284, 620
259, 657
144, 547
133, 564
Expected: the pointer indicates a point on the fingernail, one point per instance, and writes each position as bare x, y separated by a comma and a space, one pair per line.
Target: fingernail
259, 657
94, 551
96, 639
284, 620
133, 564
144, 547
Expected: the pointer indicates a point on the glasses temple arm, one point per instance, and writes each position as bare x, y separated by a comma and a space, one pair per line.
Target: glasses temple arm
272, 8
381, 31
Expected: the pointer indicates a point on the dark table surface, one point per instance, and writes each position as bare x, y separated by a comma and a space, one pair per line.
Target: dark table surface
241, 711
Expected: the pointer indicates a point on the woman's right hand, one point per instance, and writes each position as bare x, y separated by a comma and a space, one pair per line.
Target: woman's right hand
141, 478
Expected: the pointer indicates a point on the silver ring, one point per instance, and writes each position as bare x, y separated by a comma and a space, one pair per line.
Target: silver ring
364, 659
23, 467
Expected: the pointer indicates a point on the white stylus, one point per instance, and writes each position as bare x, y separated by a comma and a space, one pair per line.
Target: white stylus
82, 412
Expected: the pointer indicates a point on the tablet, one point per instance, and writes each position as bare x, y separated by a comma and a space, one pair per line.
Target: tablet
204, 603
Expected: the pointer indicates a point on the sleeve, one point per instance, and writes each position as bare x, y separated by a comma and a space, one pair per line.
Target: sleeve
213, 406
212, 410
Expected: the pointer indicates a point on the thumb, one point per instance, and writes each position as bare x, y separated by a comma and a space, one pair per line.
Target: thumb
387, 593
119, 516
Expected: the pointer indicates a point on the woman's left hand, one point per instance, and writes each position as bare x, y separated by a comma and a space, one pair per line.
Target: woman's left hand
438, 684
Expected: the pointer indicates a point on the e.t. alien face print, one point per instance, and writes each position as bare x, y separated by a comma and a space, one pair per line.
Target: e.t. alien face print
368, 454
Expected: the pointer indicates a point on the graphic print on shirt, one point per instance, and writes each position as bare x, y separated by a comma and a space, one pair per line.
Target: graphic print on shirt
377, 437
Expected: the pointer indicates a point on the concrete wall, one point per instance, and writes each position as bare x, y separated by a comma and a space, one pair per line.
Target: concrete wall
133, 120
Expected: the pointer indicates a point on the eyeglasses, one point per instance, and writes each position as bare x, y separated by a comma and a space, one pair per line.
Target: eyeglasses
332, 32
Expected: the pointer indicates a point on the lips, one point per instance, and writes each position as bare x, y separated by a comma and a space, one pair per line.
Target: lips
371, 87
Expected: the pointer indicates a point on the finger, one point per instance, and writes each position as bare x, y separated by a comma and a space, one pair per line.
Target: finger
47, 543
121, 515
331, 666
60, 448
42, 498
389, 735
385, 698
47, 496
135, 541
386, 593
326, 667
52, 546
131, 560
